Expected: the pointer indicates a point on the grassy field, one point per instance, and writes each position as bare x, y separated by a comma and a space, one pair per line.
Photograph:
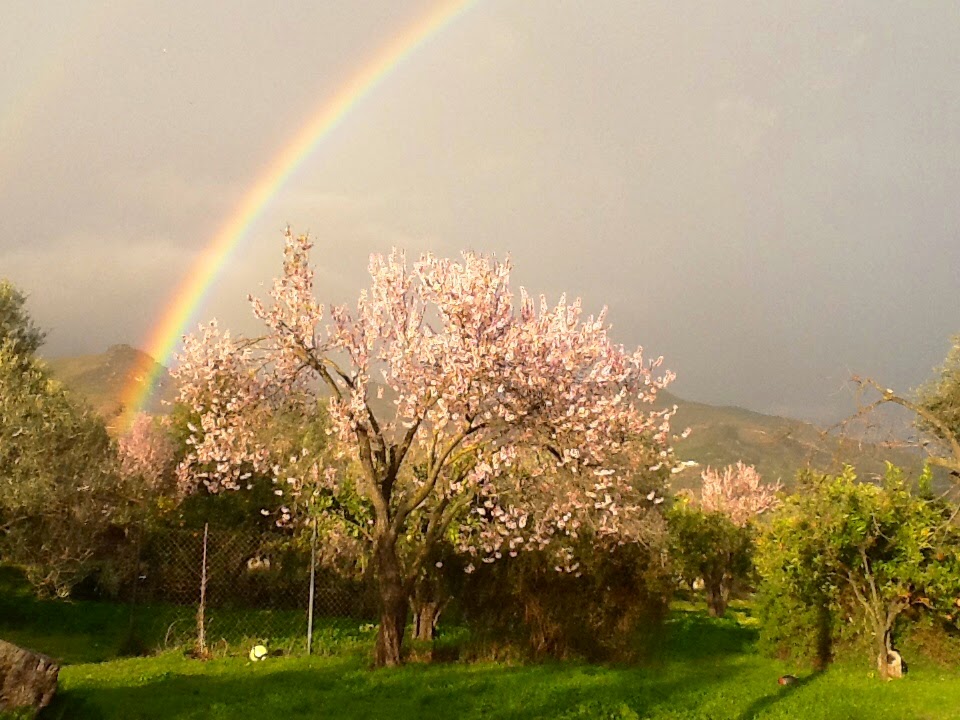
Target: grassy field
94, 632
717, 687
704, 668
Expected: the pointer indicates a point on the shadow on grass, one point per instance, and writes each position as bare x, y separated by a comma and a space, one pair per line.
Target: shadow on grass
695, 657
692, 635
86, 631
347, 688
760, 705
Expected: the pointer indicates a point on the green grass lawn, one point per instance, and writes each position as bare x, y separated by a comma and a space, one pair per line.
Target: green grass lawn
92, 632
709, 685
702, 668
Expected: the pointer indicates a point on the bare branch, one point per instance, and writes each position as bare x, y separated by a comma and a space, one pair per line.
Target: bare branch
888, 396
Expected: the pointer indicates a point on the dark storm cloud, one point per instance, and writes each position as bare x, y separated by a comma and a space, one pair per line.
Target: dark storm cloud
761, 192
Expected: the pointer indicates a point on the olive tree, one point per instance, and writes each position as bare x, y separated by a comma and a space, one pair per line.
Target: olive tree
59, 483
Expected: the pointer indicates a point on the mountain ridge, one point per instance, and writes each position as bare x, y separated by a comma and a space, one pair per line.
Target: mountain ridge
102, 379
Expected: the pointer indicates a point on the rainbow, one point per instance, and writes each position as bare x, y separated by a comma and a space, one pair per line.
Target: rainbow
192, 291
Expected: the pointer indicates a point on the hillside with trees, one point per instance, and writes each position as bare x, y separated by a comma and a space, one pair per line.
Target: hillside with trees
777, 446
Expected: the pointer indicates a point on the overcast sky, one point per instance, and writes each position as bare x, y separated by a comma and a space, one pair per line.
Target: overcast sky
764, 193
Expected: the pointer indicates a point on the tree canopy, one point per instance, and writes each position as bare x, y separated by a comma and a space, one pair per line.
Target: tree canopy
874, 550
58, 479
513, 414
16, 327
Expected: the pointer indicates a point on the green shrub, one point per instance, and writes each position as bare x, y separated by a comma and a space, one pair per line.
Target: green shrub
929, 637
611, 609
849, 564
794, 628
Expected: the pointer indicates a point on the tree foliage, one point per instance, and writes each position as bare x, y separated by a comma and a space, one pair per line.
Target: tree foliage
710, 547
738, 492
16, 327
59, 486
871, 550
500, 411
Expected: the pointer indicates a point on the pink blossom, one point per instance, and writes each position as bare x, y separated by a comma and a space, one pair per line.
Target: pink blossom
147, 453
523, 420
738, 492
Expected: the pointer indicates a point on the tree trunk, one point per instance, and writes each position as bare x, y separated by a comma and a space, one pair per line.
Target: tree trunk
425, 616
427, 603
27, 679
882, 645
393, 604
718, 595
889, 662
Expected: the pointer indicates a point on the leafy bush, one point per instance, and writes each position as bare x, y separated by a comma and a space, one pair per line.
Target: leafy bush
792, 627
929, 636
607, 610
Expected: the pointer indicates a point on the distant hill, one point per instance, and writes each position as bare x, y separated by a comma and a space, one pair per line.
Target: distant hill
777, 446
102, 379
720, 436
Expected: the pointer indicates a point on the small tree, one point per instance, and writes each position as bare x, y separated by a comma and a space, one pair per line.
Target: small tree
713, 534
473, 376
148, 457
709, 546
738, 492
881, 546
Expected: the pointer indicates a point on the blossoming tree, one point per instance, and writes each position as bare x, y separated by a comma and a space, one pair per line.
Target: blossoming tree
147, 455
713, 535
473, 380
738, 492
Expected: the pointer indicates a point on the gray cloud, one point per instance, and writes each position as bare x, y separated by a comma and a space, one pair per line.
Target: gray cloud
763, 193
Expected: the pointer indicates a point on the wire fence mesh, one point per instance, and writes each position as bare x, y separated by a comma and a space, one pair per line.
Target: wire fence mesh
223, 591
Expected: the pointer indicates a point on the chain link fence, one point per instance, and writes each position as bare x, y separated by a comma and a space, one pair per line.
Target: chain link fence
223, 591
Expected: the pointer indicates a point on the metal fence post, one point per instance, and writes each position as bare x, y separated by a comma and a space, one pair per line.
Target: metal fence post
132, 639
313, 586
201, 610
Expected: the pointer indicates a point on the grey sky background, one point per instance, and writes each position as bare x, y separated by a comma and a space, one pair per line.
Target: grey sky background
765, 193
